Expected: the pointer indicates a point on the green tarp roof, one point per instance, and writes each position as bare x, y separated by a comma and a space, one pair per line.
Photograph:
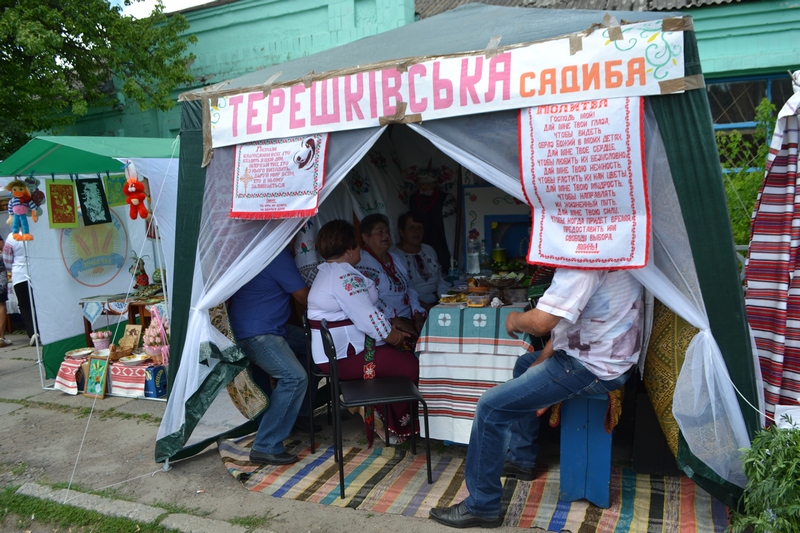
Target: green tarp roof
82, 155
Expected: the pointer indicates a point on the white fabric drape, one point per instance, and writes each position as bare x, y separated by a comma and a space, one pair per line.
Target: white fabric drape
230, 253
162, 174
704, 403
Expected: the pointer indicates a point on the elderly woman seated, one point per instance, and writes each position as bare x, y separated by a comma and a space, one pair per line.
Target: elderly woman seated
363, 336
397, 299
420, 261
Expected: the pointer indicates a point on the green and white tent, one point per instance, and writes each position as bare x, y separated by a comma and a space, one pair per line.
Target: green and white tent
692, 266
60, 322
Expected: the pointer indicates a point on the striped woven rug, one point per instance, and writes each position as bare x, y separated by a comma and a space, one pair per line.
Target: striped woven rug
392, 480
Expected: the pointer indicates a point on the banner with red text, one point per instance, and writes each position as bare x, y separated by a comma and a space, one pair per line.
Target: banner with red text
645, 61
583, 174
279, 178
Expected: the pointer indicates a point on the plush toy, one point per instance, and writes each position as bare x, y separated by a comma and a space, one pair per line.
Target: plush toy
18, 208
134, 192
139, 274
36, 193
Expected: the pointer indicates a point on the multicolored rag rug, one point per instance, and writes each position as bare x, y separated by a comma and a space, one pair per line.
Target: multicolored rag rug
392, 480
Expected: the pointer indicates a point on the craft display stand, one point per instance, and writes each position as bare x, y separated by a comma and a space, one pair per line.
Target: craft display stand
137, 311
127, 381
104, 301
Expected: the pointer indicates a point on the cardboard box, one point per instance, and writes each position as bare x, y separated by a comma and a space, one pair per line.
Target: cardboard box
155, 382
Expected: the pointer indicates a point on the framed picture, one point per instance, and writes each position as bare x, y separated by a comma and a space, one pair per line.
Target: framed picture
113, 185
94, 205
131, 336
96, 377
62, 209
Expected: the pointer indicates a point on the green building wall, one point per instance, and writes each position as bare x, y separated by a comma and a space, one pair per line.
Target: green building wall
750, 38
243, 36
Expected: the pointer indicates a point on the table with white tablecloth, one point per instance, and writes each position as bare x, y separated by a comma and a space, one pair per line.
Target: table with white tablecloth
464, 351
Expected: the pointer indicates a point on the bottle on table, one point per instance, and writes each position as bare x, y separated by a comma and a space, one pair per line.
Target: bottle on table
473, 256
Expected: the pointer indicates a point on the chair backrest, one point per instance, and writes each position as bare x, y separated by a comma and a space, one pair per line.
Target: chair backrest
307, 334
330, 349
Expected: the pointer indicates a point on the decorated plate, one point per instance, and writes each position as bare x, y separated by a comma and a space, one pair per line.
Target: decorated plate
79, 353
133, 360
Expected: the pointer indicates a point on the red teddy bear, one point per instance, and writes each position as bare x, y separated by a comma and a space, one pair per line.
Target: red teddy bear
134, 192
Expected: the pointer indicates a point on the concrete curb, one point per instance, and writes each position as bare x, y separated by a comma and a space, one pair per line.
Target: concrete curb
133, 511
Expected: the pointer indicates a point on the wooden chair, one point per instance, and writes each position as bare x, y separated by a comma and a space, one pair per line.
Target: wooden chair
380, 391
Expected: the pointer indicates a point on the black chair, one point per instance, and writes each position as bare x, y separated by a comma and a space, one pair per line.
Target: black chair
313, 372
381, 391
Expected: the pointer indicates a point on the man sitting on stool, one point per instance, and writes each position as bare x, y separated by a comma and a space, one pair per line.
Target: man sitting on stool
591, 351
258, 313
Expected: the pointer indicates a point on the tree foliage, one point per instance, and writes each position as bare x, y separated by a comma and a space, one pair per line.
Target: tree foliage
744, 160
58, 59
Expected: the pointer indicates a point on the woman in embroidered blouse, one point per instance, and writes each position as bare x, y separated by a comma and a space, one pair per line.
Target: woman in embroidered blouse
397, 299
363, 336
424, 271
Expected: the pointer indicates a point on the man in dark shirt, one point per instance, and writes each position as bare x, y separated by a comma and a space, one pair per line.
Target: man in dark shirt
258, 313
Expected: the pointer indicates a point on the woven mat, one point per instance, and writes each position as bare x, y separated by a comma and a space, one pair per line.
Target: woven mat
392, 480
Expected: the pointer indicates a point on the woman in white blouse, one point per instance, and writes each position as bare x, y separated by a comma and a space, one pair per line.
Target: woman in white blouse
363, 336
420, 261
397, 299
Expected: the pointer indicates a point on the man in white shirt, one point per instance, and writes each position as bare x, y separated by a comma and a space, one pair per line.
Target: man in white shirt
595, 320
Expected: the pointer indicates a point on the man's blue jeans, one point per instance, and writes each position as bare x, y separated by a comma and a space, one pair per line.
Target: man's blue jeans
296, 338
505, 419
274, 356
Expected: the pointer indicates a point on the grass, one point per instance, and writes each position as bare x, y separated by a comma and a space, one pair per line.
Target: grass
13, 469
25, 513
176, 509
84, 412
253, 522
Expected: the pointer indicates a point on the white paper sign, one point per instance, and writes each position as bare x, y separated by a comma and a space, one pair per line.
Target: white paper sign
279, 178
640, 63
583, 174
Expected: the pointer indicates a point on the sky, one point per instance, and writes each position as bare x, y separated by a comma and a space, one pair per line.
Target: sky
143, 9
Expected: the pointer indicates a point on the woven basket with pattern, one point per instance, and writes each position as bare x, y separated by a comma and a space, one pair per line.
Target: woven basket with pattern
116, 353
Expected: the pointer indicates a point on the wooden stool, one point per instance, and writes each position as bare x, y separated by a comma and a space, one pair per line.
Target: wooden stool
585, 451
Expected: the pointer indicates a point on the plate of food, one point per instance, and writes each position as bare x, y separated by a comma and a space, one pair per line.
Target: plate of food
135, 359
79, 353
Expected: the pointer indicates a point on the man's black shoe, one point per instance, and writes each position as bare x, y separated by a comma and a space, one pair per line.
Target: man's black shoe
283, 458
458, 516
519, 472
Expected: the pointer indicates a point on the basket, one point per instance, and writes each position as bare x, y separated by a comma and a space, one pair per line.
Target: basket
101, 344
115, 353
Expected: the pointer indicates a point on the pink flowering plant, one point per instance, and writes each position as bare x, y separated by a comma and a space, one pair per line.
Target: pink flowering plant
157, 333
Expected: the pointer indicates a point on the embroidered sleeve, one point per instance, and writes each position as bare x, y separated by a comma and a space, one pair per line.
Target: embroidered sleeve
413, 296
353, 296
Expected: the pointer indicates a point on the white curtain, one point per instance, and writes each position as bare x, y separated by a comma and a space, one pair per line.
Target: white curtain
230, 253
704, 403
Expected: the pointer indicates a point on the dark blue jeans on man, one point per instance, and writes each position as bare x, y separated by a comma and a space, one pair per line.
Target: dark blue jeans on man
274, 355
505, 419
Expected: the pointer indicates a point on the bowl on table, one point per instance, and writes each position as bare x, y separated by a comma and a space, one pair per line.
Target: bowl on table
135, 359
79, 353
